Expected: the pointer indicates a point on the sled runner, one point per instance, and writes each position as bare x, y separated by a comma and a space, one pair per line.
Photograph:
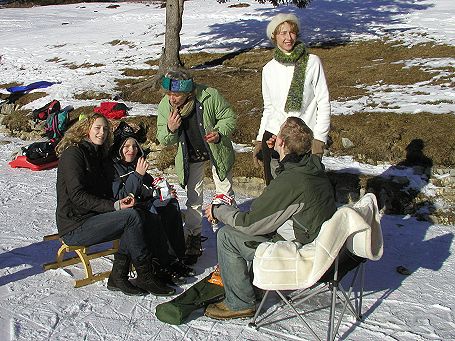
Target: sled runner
82, 256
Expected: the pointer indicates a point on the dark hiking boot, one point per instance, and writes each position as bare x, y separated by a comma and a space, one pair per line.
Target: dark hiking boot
118, 279
193, 249
167, 275
180, 268
147, 280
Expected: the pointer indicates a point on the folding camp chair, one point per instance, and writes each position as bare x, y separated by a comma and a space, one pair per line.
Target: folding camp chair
344, 243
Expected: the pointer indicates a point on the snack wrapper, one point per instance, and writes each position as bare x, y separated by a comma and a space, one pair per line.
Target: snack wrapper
222, 199
164, 188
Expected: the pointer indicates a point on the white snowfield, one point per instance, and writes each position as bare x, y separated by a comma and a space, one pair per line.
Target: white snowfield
36, 43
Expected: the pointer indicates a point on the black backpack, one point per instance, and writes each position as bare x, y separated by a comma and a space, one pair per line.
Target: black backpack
39, 153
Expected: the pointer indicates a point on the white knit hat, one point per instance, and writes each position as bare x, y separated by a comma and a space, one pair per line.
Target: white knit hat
280, 18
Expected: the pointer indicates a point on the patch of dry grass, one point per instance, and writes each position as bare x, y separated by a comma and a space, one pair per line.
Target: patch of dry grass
376, 136
368, 62
90, 95
8, 85
386, 136
54, 60
165, 159
245, 167
138, 72
116, 42
149, 126
74, 114
74, 66
132, 89
18, 121
26, 98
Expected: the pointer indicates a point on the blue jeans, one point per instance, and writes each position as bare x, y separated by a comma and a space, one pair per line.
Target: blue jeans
233, 256
124, 224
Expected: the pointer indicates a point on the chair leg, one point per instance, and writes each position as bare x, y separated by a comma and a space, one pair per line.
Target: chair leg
258, 310
355, 310
288, 303
340, 302
362, 285
298, 315
333, 286
308, 293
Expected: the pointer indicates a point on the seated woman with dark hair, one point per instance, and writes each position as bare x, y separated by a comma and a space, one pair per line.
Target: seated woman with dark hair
88, 214
155, 200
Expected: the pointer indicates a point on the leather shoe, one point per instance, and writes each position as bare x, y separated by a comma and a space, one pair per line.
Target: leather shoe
220, 311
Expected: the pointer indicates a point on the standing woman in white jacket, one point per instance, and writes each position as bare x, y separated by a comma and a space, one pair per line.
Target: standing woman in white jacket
293, 84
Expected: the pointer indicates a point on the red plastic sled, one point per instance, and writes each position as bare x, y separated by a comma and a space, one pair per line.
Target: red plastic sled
21, 162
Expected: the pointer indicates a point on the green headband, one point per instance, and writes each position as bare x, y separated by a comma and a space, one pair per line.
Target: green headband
175, 85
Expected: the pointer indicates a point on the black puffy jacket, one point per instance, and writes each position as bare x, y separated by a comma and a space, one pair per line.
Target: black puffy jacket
84, 186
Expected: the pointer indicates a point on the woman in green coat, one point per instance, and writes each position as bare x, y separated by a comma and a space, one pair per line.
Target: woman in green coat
200, 121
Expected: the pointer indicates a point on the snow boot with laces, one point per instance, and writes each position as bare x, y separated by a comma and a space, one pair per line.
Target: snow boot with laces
147, 279
118, 279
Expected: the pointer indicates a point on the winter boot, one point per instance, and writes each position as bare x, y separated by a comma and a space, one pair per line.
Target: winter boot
167, 275
118, 279
147, 280
180, 268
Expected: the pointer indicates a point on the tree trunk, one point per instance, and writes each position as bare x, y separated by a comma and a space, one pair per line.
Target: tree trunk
171, 51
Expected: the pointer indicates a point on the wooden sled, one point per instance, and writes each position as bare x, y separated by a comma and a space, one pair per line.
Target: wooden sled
82, 256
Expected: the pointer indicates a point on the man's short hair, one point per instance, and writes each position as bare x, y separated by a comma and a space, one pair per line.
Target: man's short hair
297, 136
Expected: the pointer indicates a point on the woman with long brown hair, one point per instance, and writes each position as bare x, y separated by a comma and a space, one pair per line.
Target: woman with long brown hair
87, 214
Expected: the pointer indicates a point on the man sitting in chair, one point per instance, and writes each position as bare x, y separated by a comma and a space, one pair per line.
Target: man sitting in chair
292, 207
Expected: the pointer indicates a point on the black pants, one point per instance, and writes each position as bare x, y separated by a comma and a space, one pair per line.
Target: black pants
155, 237
171, 219
164, 228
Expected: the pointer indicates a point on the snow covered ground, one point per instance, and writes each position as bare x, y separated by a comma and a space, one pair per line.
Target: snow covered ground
35, 45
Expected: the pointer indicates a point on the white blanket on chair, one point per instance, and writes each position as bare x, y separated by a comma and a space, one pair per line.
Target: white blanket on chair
286, 265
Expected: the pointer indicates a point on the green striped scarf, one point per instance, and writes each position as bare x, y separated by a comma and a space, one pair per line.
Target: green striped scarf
299, 57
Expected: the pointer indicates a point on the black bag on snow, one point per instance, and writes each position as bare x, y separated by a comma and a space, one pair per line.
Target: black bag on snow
197, 296
40, 153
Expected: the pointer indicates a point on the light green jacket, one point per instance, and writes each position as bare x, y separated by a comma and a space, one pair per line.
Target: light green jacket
212, 110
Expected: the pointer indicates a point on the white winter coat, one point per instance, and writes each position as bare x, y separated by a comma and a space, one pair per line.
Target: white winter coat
315, 111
